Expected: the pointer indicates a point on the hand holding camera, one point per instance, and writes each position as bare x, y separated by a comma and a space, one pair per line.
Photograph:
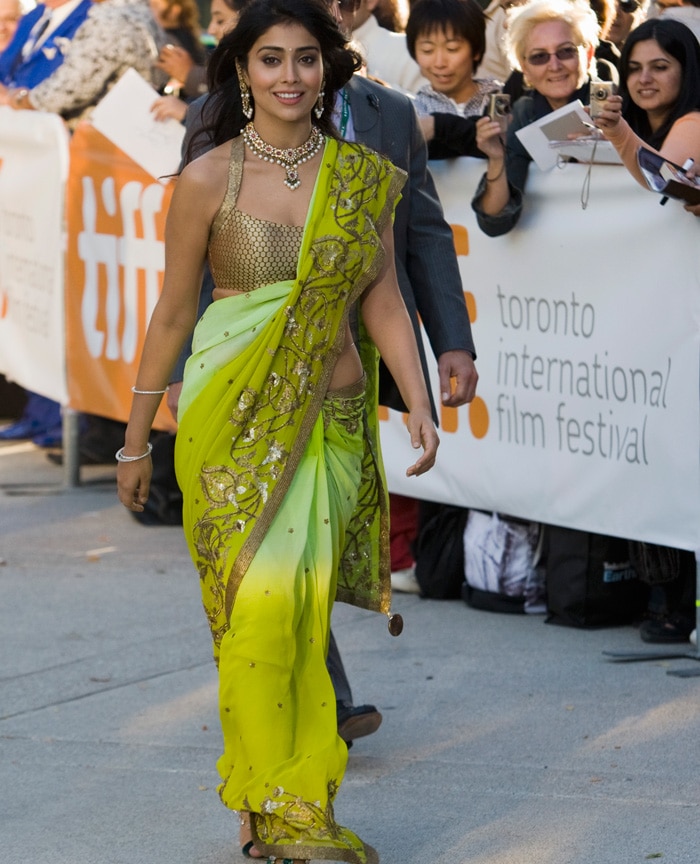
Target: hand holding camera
605, 106
499, 110
600, 93
491, 128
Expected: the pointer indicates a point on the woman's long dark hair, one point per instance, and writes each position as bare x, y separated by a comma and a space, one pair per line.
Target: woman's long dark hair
679, 41
222, 114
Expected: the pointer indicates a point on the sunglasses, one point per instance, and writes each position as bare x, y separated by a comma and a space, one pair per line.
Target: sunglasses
629, 6
348, 5
566, 52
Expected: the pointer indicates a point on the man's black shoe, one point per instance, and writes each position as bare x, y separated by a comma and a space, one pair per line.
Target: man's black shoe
357, 721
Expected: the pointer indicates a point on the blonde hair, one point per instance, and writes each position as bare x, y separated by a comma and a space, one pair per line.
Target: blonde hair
522, 19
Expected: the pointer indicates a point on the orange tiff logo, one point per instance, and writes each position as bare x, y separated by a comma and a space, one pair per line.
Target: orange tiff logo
478, 413
114, 271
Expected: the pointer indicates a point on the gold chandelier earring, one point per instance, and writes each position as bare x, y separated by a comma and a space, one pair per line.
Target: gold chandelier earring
246, 104
318, 109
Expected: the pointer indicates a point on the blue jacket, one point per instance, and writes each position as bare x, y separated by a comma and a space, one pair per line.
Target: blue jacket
16, 72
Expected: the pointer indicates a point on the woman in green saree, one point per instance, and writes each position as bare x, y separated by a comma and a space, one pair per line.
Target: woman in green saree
277, 451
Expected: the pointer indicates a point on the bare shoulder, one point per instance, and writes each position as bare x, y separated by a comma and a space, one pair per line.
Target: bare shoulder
202, 183
208, 170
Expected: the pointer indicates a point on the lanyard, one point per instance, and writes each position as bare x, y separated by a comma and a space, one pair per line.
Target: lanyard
344, 112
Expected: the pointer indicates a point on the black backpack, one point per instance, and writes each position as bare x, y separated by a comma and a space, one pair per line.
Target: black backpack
439, 550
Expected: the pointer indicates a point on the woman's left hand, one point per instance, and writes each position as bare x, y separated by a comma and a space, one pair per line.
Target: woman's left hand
423, 434
610, 116
692, 174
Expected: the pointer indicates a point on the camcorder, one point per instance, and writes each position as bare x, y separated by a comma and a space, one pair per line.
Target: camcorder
600, 92
499, 109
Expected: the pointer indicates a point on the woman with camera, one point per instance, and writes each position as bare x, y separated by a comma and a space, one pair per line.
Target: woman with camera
659, 101
659, 108
553, 42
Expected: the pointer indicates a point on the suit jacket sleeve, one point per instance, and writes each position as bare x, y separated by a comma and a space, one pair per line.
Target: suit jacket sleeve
431, 262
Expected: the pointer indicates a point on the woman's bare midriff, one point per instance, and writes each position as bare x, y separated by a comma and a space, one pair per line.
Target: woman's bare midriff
348, 367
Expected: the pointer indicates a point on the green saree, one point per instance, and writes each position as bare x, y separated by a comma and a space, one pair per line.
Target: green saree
285, 508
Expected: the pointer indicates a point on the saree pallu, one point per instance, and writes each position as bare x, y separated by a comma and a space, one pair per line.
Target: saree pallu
285, 509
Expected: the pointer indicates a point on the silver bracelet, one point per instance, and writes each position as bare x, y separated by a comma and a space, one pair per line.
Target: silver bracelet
120, 457
149, 392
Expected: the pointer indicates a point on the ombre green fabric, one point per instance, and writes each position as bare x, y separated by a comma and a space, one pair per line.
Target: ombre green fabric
285, 507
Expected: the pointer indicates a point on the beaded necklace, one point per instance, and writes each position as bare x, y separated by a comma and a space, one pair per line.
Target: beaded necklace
289, 158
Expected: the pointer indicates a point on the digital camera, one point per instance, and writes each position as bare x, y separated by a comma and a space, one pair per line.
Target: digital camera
600, 92
499, 109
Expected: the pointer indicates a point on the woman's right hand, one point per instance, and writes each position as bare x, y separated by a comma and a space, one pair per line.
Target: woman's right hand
489, 138
609, 118
134, 483
423, 434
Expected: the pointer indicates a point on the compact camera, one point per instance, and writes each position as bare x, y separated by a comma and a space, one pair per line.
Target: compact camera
499, 109
600, 92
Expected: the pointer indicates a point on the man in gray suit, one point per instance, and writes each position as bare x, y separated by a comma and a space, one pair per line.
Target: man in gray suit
426, 262
427, 269
428, 274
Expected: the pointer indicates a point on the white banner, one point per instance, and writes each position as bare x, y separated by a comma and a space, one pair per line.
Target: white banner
587, 328
33, 172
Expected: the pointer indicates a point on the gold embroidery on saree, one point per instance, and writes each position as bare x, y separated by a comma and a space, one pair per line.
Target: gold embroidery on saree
282, 822
271, 417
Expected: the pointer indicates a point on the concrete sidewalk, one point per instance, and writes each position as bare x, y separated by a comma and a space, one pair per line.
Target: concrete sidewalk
505, 740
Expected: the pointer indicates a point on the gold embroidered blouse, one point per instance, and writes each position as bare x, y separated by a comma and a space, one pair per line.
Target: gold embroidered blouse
246, 253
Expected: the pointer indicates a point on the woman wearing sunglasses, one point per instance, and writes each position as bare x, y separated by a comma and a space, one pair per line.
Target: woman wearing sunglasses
553, 42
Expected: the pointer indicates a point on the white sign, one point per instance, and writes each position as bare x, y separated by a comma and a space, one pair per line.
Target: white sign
33, 172
587, 329
124, 116
547, 139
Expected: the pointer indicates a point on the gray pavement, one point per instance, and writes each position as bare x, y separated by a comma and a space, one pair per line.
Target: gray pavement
505, 740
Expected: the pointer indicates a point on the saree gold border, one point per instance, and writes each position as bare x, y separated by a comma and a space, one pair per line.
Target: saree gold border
298, 851
263, 522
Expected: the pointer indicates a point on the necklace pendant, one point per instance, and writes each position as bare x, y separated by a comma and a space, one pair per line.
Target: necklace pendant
289, 158
292, 180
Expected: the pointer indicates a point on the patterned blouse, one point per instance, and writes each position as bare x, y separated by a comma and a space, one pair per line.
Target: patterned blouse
429, 101
116, 35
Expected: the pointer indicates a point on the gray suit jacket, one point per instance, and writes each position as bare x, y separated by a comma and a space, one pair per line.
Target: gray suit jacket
426, 262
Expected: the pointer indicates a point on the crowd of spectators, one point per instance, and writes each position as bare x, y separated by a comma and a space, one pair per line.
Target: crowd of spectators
451, 56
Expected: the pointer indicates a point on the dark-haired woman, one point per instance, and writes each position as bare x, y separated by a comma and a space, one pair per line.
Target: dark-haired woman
659, 101
659, 107
277, 448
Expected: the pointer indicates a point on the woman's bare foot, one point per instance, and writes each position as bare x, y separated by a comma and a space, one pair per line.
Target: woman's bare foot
246, 839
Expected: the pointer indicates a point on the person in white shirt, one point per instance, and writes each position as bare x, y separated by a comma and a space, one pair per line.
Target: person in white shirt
385, 52
686, 11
